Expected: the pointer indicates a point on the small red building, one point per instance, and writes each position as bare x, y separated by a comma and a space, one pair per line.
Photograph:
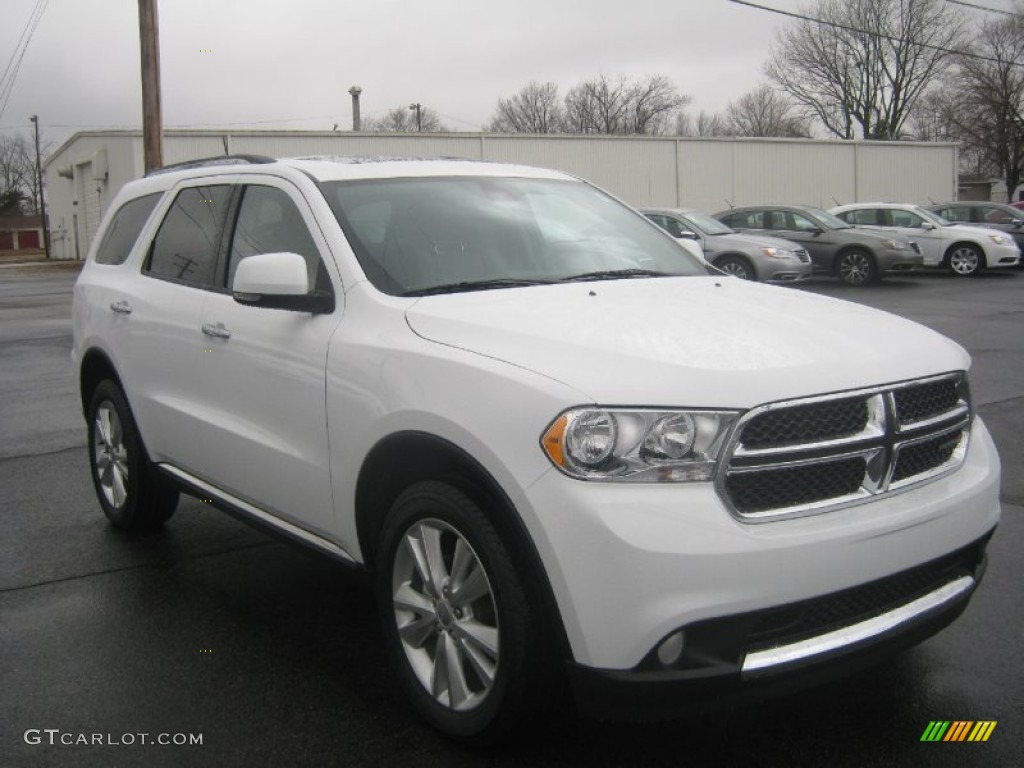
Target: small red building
21, 234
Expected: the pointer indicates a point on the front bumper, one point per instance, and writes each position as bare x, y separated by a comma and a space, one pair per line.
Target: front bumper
715, 671
631, 564
1002, 256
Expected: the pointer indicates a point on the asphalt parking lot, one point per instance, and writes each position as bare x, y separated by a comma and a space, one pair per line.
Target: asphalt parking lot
272, 656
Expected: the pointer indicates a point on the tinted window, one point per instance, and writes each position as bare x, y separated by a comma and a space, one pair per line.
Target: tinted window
905, 219
186, 246
124, 229
744, 220
960, 213
269, 222
670, 225
862, 217
799, 223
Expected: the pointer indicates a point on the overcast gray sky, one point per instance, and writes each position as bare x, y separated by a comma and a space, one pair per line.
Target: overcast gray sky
289, 63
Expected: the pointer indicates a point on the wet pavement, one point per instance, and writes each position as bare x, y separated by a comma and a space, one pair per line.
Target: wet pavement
271, 655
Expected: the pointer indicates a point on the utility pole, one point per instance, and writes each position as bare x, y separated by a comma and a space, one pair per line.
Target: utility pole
417, 107
39, 190
152, 121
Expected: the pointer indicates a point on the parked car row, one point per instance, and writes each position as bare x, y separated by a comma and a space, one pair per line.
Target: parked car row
858, 243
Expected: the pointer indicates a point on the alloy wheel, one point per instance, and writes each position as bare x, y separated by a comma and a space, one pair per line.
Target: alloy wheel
111, 465
446, 616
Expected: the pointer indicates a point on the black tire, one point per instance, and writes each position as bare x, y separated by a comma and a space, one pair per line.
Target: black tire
856, 267
965, 260
736, 266
465, 705
132, 495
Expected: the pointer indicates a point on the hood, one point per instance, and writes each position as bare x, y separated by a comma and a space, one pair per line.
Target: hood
691, 341
744, 240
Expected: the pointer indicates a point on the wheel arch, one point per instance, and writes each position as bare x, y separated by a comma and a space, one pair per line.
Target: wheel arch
745, 258
96, 366
401, 459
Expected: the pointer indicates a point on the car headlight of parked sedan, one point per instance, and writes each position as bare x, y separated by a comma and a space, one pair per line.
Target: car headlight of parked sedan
640, 445
778, 253
895, 245
1000, 239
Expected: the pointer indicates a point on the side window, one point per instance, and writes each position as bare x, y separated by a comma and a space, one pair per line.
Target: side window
269, 222
668, 224
958, 214
861, 217
995, 216
745, 220
124, 229
905, 219
802, 223
185, 248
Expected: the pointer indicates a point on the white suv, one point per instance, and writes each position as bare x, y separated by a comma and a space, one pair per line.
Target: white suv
963, 250
565, 449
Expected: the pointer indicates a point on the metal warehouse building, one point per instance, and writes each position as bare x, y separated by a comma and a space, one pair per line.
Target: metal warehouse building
84, 175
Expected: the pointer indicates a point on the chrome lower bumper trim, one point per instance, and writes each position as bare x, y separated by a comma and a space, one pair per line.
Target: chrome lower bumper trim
855, 633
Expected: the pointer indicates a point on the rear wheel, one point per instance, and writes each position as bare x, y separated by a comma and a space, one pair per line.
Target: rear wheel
132, 495
455, 616
856, 267
737, 267
965, 260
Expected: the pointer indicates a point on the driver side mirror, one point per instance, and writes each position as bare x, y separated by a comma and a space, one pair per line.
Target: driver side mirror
278, 281
928, 225
686, 234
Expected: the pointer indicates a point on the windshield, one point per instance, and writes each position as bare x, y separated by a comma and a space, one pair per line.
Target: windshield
932, 216
826, 218
415, 236
706, 224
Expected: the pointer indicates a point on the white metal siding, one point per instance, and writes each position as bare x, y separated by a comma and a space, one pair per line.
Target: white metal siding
660, 171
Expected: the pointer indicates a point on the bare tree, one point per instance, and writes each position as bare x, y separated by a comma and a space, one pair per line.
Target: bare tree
403, 120
17, 174
861, 67
765, 111
618, 105
704, 124
534, 109
985, 99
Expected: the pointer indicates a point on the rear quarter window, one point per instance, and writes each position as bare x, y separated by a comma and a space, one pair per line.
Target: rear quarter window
124, 229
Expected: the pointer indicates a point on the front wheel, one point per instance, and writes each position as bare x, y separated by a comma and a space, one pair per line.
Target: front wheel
456, 621
856, 267
965, 260
132, 496
737, 267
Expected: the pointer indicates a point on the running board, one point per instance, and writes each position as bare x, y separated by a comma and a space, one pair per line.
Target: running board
246, 509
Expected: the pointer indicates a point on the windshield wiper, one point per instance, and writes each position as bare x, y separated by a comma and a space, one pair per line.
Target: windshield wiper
475, 285
614, 274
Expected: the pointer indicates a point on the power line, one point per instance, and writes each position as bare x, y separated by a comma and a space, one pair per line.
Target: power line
879, 35
977, 7
7, 88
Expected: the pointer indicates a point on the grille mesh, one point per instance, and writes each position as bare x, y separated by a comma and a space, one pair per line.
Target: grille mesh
791, 486
797, 457
830, 420
793, 623
923, 401
921, 457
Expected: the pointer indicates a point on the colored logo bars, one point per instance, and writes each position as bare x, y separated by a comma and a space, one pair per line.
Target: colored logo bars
958, 730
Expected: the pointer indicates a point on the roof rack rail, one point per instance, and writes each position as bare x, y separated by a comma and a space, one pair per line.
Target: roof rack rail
212, 161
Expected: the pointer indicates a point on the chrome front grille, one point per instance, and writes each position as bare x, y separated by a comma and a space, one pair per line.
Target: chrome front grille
817, 454
803, 255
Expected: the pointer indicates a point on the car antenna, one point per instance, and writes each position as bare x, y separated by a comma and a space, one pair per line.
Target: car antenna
835, 201
931, 201
729, 203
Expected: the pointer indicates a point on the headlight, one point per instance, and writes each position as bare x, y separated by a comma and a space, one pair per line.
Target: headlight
776, 253
1000, 239
895, 245
638, 445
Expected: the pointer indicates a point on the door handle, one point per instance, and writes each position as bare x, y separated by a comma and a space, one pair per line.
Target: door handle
121, 307
216, 330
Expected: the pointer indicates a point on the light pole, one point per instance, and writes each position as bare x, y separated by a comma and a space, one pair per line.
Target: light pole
39, 190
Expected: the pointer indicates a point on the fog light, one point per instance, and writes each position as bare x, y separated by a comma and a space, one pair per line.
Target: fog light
671, 649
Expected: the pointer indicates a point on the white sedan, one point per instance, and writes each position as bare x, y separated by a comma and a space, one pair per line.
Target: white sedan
964, 250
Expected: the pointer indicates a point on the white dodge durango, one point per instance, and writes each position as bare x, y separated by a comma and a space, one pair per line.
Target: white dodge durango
566, 450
